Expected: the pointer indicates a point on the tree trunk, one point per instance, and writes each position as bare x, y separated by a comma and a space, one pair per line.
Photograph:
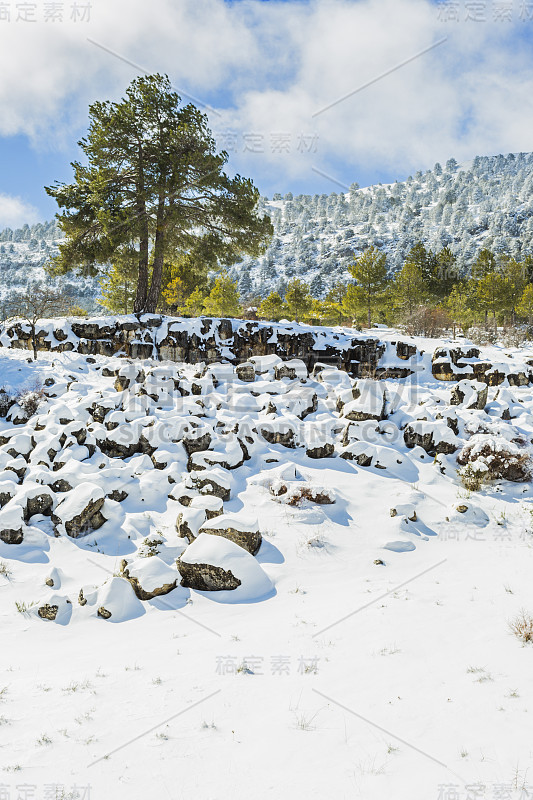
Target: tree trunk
157, 268
140, 208
369, 317
34, 342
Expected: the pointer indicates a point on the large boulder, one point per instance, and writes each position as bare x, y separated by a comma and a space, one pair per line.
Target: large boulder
369, 404
214, 481
115, 600
243, 532
79, 512
293, 368
149, 577
188, 522
214, 564
11, 524
471, 394
433, 437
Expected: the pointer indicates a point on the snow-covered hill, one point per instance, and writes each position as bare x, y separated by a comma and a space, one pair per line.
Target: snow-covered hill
23, 255
487, 202
249, 581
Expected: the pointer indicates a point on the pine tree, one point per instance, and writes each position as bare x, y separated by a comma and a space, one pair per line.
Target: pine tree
428, 265
458, 305
153, 184
333, 303
298, 299
515, 273
525, 306
273, 308
492, 294
194, 305
409, 288
119, 287
484, 263
370, 272
447, 273
223, 299
174, 295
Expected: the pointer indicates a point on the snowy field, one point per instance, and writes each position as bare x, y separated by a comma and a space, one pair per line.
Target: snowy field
366, 650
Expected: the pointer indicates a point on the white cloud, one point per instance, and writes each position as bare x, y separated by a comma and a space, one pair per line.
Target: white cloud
14, 212
271, 66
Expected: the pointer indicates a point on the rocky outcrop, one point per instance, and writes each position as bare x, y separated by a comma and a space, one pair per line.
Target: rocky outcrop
205, 339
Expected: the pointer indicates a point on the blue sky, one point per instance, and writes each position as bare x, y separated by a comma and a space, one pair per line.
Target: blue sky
267, 68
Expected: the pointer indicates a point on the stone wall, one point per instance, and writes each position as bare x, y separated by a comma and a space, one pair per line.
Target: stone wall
203, 339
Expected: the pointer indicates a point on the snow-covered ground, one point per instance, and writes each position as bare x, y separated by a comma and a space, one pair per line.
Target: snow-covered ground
366, 652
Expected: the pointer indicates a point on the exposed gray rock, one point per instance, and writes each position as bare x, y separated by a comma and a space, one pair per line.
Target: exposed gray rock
206, 577
321, 451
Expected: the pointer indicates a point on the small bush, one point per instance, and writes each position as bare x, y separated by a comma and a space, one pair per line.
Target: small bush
6, 401
294, 495
5, 570
426, 321
496, 457
522, 627
30, 399
482, 336
471, 478
515, 337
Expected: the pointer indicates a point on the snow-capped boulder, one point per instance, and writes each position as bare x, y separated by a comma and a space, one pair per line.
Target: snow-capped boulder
37, 500
433, 437
214, 564
471, 394
8, 489
496, 458
213, 506
279, 431
79, 512
188, 522
370, 403
115, 600
197, 439
11, 524
245, 372
55, 608
294, 368
213, 481
242, 531
265, 364
149, 577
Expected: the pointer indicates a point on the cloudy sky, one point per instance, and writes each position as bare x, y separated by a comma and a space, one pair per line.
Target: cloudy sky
306, 95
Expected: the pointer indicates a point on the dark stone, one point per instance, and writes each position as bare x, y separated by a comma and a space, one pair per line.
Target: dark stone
48, 612
205, 577
41, 504
248, 540
10, 536
323, 451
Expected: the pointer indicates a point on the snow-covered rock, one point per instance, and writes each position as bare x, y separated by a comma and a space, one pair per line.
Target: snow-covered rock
214, 564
